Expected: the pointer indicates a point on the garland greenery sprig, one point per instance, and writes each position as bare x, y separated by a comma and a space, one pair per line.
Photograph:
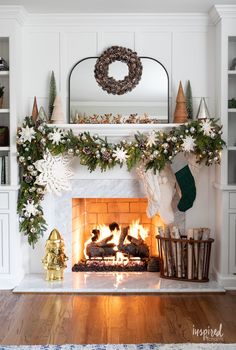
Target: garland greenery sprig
155, 150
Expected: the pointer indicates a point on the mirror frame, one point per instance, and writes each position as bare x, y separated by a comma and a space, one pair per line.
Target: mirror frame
145, 57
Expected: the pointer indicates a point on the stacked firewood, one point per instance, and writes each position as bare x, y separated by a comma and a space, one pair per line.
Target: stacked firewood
185, 257
135, 247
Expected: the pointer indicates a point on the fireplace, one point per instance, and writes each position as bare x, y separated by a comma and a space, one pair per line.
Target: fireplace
112, 234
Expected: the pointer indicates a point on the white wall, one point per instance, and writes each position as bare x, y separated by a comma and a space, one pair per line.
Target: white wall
184, 48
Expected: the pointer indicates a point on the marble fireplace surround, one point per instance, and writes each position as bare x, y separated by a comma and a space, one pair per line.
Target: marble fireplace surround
58, 213
109, 188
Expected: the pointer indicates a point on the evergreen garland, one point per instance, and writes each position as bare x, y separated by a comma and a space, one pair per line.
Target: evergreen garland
52, 94
34, 138
189, 100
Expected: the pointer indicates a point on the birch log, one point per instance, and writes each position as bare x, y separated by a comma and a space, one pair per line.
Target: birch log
190, 254
203, 252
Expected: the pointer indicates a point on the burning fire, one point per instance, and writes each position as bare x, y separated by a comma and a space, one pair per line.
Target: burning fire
135, 231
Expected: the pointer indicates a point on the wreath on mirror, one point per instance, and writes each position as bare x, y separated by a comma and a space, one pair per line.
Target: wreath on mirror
111, 85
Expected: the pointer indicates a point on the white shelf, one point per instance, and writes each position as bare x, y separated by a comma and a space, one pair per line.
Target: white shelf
4, 110
4, 72
8, 187
232, 148
231, 110
115, 130
232, 72
4, 149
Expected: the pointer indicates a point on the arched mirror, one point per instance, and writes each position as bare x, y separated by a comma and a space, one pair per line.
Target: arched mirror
149, 97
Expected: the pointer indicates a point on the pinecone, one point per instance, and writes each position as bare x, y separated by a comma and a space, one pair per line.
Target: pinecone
86, 150
106, 156
142, 144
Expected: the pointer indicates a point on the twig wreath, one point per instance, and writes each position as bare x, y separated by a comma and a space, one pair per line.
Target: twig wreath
43, 154
111, 85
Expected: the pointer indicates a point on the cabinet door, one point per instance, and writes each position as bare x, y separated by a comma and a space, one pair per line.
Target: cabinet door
4, 243
232, 243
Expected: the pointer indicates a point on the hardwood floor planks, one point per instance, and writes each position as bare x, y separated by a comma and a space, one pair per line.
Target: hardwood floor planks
64, 318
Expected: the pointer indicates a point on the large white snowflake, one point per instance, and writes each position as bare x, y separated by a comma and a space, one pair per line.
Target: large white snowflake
188, 144
54, 173
27, 134
120, 155
56, 136
30, 208
151, 140
206, 127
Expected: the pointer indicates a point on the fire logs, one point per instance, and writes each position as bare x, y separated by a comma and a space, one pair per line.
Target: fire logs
136, 248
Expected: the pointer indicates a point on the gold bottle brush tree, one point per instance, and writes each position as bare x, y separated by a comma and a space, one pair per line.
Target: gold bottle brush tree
55, 259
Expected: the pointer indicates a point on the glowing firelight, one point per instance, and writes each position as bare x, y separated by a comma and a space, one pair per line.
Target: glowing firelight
135, 230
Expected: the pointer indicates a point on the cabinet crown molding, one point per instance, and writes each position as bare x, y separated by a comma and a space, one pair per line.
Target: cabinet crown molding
219, 12
20, 14
17, 13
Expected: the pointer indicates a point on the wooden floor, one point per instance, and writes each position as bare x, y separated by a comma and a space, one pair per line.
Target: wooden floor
58, 319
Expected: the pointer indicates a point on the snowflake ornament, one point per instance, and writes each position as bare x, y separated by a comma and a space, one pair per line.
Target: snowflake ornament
27, 134
30, 209
120, 155
206, 127
151, 140
56, 136
188, 144
54, 173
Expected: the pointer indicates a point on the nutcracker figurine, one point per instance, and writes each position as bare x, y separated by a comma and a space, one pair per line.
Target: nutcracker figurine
55, 258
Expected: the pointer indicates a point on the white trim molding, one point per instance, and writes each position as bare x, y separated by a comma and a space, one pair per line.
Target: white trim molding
219, 12
17, 13
104, 19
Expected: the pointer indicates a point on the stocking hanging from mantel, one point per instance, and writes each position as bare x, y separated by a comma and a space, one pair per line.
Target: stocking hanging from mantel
160, 188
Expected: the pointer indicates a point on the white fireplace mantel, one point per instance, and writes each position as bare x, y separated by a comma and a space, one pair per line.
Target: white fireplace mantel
115, 130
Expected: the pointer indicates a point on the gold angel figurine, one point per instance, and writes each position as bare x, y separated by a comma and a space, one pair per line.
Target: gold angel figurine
55, 258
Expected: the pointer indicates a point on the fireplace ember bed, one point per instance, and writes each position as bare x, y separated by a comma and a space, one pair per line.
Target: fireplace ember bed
118, 245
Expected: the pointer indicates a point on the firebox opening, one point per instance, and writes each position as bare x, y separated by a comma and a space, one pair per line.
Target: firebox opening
112, 234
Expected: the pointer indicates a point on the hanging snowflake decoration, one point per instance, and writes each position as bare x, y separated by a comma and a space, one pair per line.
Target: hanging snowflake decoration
206, 127
188, 144
56, 136
27, 134
30, 209
54, 173
120, 155
151, 140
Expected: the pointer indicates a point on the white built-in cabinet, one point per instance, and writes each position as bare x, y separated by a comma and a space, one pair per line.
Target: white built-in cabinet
232, 242
11, 270
4, 242
225, 185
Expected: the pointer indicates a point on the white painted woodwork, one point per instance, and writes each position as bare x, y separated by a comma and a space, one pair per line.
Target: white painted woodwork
4, 243
225, 205
232, 243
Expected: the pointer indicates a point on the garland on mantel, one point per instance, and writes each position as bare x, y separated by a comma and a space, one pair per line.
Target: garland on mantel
36, 141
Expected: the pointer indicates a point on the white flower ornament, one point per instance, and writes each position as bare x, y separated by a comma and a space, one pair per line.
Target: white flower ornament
120, 155
151, 140
54, 173
188, 144
30, 208
56, 136
27, 134
206, 127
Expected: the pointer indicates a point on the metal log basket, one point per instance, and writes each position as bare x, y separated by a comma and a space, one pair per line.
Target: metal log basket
184, 259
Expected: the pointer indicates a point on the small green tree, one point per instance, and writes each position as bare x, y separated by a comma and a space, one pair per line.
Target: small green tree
52, 94
189, 100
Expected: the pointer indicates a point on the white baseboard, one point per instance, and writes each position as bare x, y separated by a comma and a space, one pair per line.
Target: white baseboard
228, 282
8, 282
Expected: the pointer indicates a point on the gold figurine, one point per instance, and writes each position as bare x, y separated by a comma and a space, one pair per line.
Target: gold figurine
55, 258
